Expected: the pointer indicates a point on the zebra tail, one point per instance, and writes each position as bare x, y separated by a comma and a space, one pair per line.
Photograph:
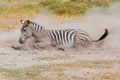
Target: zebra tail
103, 36
16, 48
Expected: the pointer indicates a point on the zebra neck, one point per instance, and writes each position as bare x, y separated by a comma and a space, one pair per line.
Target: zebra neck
39, 36
44, 33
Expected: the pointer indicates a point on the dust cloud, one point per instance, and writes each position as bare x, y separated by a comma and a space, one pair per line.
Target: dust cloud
110, 20
94, 22
7, 39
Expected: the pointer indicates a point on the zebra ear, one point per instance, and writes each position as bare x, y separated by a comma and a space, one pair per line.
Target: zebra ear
27, 21
22, 21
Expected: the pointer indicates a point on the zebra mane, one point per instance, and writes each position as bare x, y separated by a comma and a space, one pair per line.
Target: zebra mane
35, 26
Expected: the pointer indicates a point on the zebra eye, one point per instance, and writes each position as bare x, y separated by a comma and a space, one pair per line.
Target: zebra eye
25, 30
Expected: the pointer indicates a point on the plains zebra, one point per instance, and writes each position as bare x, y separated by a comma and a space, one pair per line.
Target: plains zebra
66, 37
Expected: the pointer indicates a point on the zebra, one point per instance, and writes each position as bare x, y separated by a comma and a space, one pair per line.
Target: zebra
68, 38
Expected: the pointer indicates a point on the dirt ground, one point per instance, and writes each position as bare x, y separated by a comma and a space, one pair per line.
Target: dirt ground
106, 50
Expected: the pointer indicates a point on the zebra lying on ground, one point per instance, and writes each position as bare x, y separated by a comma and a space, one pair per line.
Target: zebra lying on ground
66, 38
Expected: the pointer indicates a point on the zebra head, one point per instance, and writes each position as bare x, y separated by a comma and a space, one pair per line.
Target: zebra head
28, 30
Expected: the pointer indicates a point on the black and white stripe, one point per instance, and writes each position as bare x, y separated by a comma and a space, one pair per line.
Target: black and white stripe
66, 37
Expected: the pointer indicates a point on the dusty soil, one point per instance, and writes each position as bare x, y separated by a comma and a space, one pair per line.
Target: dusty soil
104, 50
22, 59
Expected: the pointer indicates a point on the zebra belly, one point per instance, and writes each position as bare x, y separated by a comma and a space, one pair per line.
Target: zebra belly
70, 45
65, 45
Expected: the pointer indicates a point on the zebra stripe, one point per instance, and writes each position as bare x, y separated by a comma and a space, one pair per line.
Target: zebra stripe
66, 37
36, 27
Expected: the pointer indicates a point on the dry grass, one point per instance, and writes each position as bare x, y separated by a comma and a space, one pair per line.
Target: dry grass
52, 58
11, 14
7, 25
19, 0
74, 7
56, 71
107, 76
22, 11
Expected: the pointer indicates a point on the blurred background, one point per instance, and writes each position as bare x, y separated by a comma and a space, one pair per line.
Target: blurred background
11, 11
92, 16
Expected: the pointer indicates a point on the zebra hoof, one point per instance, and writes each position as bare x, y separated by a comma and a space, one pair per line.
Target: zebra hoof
61, 49
16, 47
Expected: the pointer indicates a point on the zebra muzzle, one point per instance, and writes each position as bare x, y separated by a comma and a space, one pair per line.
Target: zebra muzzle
21, 40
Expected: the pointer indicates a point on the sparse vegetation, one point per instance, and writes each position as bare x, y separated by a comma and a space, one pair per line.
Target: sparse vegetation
75, 7
11, 14
66, 8
55, 57
56, 71
19, 1
22, 11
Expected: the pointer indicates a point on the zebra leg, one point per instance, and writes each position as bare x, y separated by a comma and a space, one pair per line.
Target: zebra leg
16, 46
78, 42
77, 45
28, 45
60, 47
42, 45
